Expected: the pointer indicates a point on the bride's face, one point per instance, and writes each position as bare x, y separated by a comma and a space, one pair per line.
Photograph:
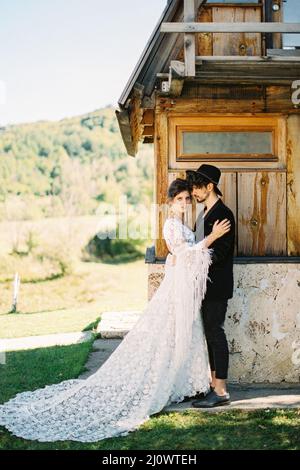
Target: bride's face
181, 203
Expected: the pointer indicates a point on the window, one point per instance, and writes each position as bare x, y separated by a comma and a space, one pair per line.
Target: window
291, 14
238, 141
226, 143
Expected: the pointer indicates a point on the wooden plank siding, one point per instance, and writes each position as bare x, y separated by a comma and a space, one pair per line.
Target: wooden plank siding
228, 187
243, 44
257, 195
253, 99
261, 203
258, 202
293, 185
205, 40
161, 153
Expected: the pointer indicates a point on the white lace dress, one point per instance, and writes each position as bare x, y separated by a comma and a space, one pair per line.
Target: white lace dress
161, 360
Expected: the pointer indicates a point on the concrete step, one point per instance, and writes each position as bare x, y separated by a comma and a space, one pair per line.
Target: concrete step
116, 325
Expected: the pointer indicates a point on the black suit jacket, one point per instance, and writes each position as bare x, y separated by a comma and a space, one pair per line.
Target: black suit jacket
220, 282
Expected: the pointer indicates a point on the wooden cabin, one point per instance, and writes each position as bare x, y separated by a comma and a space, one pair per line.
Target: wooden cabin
219, 82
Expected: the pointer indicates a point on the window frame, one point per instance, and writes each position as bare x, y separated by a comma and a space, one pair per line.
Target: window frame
245, 157
227, 123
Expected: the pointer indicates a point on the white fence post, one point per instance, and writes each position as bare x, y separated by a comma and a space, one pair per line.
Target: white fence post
15, 293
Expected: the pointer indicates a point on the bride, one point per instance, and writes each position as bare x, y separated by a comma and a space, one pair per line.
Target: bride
161, 360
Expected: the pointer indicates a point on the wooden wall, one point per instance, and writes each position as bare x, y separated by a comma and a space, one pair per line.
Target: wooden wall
293, 185
229, 44
261, 218
266, 202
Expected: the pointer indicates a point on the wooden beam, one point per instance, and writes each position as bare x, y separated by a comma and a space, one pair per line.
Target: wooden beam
163, 75
176, 77
148, 102
233, 27
148, 131
189, 39
238, 58
161, 153
148, 117
125, 128
148, 140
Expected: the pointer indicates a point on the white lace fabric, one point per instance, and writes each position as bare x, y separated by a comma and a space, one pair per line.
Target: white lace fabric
160, 361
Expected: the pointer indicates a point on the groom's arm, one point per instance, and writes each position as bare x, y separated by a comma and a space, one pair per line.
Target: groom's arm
223, 245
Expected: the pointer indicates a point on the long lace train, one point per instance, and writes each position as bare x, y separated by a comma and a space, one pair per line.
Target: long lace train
161, 360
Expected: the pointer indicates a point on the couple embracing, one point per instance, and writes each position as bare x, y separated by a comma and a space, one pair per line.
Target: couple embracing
177, 349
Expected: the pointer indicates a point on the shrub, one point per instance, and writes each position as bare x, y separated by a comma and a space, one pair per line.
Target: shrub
112, 250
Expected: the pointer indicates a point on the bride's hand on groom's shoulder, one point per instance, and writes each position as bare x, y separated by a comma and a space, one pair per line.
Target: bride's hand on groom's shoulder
221, 228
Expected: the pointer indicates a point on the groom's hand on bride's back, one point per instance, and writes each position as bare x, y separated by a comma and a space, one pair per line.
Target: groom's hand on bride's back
221, 228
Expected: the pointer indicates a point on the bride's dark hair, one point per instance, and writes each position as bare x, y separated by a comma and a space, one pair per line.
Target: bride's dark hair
178, 186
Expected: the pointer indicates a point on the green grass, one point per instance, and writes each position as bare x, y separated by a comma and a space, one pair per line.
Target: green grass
192, 430
29, 370
70, 303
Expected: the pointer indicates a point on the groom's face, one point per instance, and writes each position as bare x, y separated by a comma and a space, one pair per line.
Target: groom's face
201, 194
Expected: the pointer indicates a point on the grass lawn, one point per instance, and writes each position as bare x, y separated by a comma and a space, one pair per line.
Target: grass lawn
192, 430
71, 303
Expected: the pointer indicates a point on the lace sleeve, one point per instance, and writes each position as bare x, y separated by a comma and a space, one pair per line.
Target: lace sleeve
190, 275
195, 258
175, 239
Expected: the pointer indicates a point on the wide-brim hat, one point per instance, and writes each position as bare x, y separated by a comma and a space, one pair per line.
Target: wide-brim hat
210, 172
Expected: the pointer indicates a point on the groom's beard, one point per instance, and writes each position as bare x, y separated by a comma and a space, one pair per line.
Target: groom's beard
202, 200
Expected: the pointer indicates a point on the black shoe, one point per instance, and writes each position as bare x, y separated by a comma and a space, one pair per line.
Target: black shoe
212, 400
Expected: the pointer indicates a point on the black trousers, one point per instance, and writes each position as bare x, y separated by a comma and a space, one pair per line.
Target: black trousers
213, 314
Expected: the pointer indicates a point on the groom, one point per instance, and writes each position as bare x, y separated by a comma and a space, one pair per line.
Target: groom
204, 186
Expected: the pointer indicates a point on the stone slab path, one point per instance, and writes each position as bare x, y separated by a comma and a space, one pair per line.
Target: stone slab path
102, 349
250, 397
48, 341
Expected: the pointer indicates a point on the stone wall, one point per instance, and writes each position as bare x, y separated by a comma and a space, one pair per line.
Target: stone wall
263, 322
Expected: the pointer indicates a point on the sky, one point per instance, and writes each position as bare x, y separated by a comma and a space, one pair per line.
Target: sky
62, 58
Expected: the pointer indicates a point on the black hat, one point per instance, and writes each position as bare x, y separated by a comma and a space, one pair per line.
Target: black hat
210, 172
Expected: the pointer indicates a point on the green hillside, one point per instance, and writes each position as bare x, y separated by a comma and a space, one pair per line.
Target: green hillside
50, 169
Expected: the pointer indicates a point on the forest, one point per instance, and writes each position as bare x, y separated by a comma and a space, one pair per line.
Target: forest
68, 167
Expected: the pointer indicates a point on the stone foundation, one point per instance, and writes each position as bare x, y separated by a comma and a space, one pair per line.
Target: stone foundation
263, 322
